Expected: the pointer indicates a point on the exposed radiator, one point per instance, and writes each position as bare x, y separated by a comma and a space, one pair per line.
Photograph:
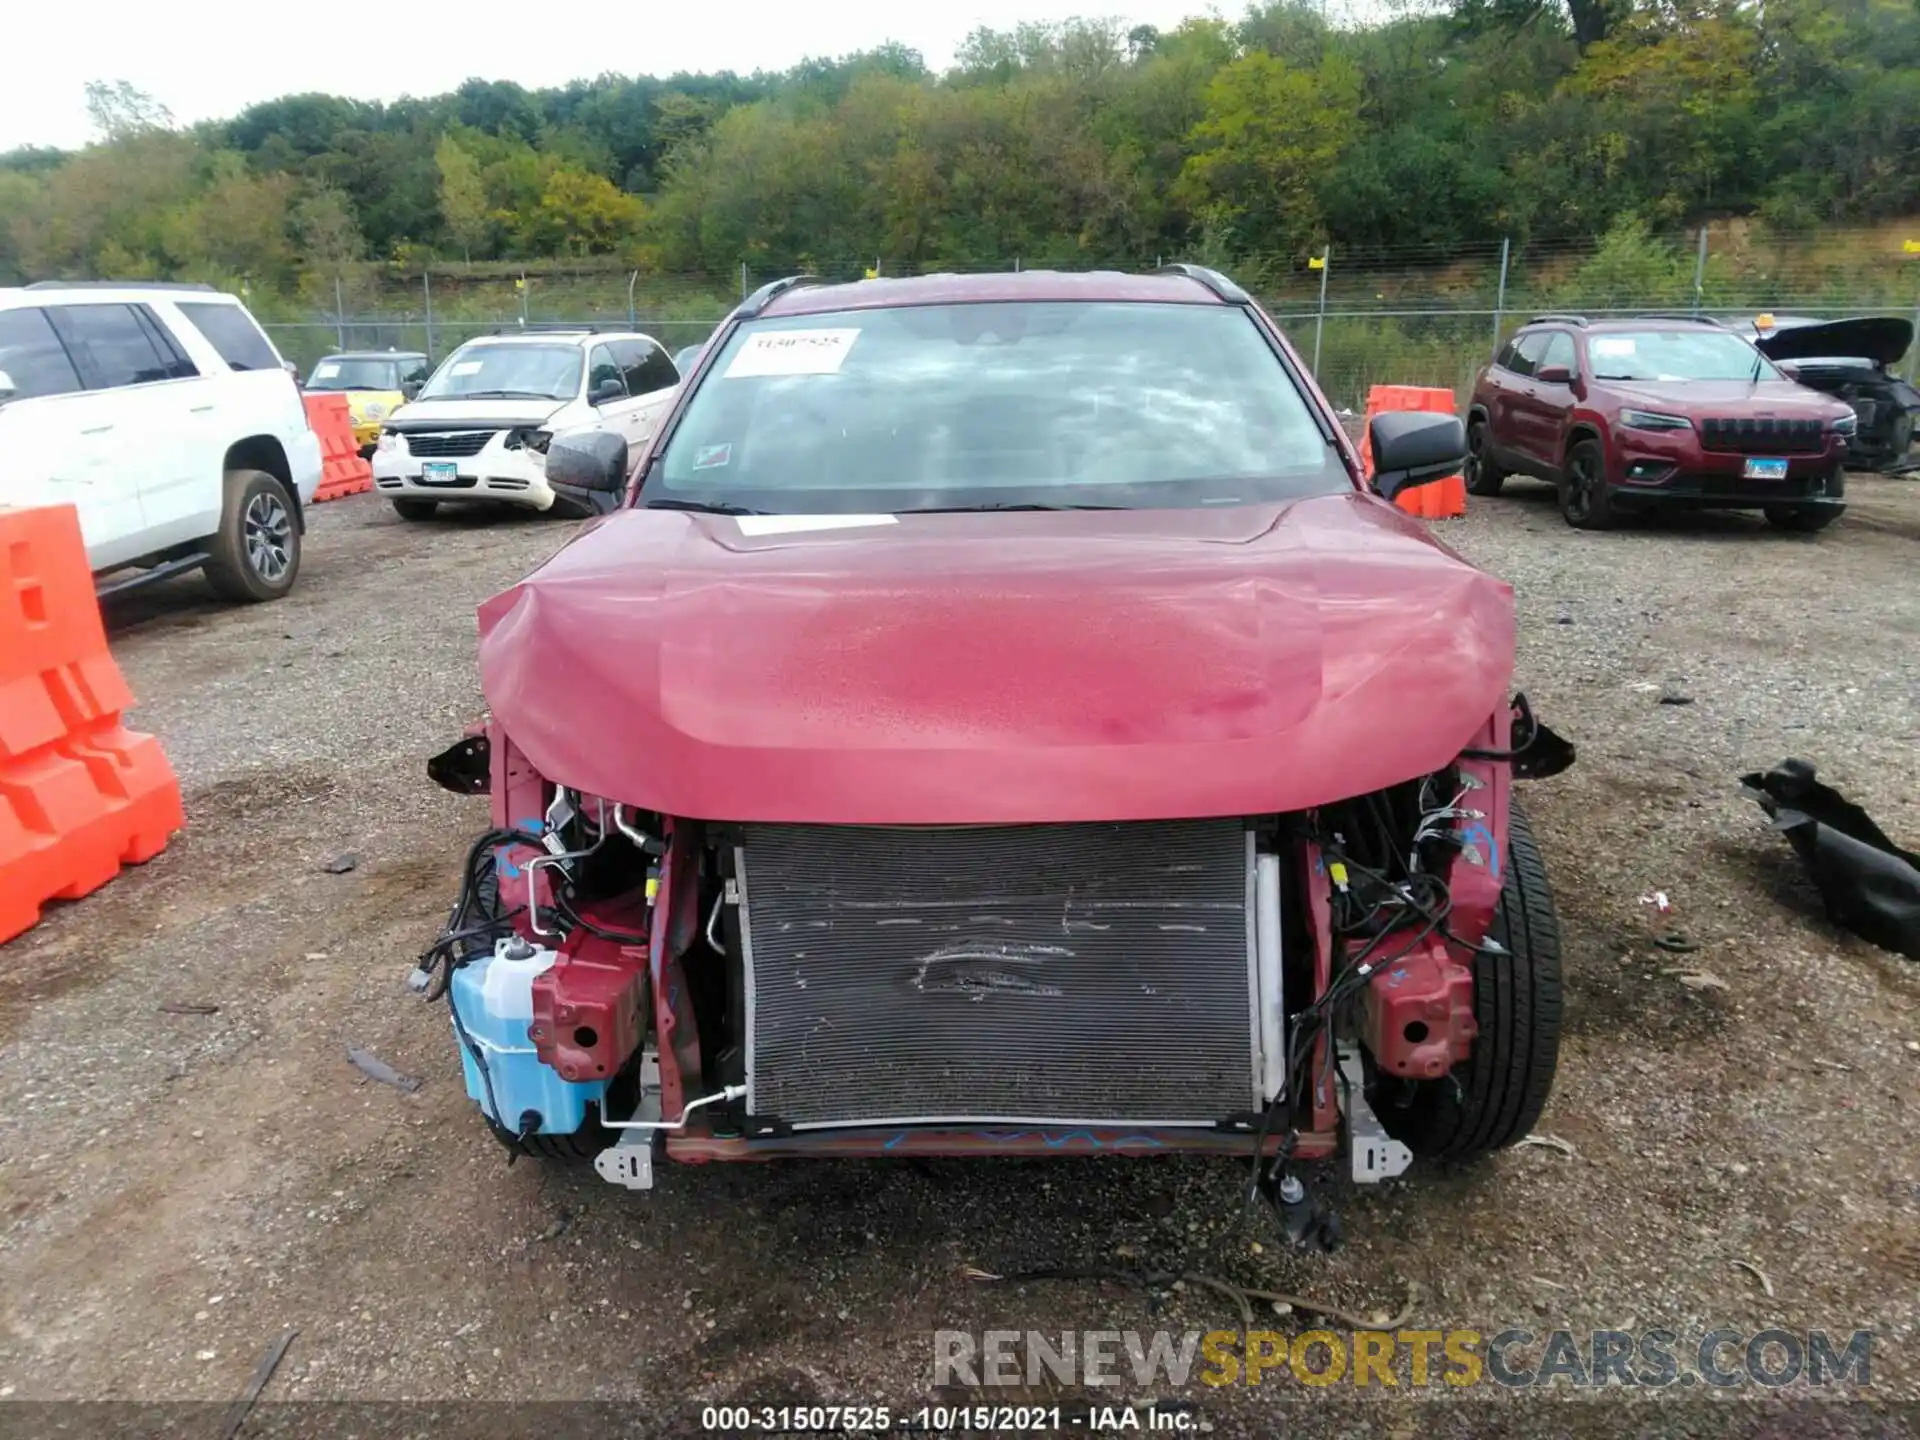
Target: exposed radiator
1059, 973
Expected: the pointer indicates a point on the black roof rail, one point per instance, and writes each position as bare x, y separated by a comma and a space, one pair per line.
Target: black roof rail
771, 291
1558, 320
119, 285
1687, 315
1212, 279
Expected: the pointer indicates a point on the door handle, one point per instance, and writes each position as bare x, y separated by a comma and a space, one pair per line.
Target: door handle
97, 430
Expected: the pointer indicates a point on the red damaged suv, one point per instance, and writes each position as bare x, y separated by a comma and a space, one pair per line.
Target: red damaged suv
995, 715
1639, 414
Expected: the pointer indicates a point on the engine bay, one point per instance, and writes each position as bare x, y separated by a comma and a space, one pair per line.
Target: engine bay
1279, 986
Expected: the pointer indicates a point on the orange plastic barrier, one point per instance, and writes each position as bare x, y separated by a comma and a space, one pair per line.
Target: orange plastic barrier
80, 796
342, 471
1439, 499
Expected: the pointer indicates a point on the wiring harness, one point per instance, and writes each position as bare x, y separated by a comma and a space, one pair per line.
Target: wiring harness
1383, 907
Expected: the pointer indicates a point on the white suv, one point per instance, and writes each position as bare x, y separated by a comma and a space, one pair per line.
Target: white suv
480, 427
165, 416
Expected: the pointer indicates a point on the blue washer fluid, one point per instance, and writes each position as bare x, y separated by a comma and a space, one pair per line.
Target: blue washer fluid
493, 996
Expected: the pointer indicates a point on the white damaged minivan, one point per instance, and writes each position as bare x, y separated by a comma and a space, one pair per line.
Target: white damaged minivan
479, 430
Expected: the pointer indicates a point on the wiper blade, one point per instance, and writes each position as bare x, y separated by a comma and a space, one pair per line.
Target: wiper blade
1004, 505
704, 507
496, 395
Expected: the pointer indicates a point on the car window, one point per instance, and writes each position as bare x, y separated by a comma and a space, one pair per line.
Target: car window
1559, 351
415, 371
1527, 350
498, 371
602, 367
354, 372
647, 367
31, 355
178, 365
109, 345
1030, 404
1696, 353
231, 331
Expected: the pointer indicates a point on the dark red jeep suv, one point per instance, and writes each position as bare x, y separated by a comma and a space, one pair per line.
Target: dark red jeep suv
1632, 414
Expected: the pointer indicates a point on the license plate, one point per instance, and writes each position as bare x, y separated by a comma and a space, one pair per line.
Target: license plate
445, 472
1766, 470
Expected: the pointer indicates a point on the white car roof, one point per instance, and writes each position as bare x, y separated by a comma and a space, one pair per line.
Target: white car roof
103, 293
557, 337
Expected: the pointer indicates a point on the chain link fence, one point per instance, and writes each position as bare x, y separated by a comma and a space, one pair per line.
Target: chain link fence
1362, 317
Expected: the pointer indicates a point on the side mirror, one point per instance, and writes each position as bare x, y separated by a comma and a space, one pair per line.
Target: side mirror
590, 461
1553, 375
607, 390
7, 388
1415, 447
410, 389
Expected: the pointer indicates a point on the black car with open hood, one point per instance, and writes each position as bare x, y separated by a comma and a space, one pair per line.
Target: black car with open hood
1853, 360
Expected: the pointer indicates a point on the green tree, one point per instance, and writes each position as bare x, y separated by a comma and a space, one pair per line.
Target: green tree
463, 198
119, 111
581, 213
331, 246
1268, 142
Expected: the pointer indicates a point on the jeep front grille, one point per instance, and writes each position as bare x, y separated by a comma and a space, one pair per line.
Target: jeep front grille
1746, 435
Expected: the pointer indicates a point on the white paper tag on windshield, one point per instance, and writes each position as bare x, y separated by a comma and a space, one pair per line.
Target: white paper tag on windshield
795, 524
464, 367
792, 352
1611, 345
325, 372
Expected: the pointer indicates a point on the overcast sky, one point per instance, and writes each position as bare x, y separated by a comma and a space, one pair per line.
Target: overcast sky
209, 59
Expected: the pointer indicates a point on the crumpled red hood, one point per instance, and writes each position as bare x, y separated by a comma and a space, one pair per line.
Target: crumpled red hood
1001, 668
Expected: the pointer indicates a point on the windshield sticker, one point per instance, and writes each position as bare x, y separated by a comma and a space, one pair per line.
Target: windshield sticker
792, 352
1611, 345
796, 524
326, 371
712, 457
464, 367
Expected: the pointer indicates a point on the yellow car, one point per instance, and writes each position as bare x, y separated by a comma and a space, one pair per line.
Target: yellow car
375, 382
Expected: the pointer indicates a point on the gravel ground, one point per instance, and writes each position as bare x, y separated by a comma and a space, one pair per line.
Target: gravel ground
177, 1189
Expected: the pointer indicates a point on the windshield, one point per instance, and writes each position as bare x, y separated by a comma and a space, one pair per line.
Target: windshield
340, 373
1676, 355
988, 406
507, 372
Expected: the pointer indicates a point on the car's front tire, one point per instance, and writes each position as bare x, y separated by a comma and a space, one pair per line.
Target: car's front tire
1484, 475
1798, 521
415, 509
1495, 1096
1586, 503
256, 554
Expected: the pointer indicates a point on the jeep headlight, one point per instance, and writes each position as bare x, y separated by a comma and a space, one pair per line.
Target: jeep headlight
387, 442
1847, 425
1653, 420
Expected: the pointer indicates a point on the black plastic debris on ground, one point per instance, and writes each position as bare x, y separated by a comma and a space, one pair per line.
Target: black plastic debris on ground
1869, 884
